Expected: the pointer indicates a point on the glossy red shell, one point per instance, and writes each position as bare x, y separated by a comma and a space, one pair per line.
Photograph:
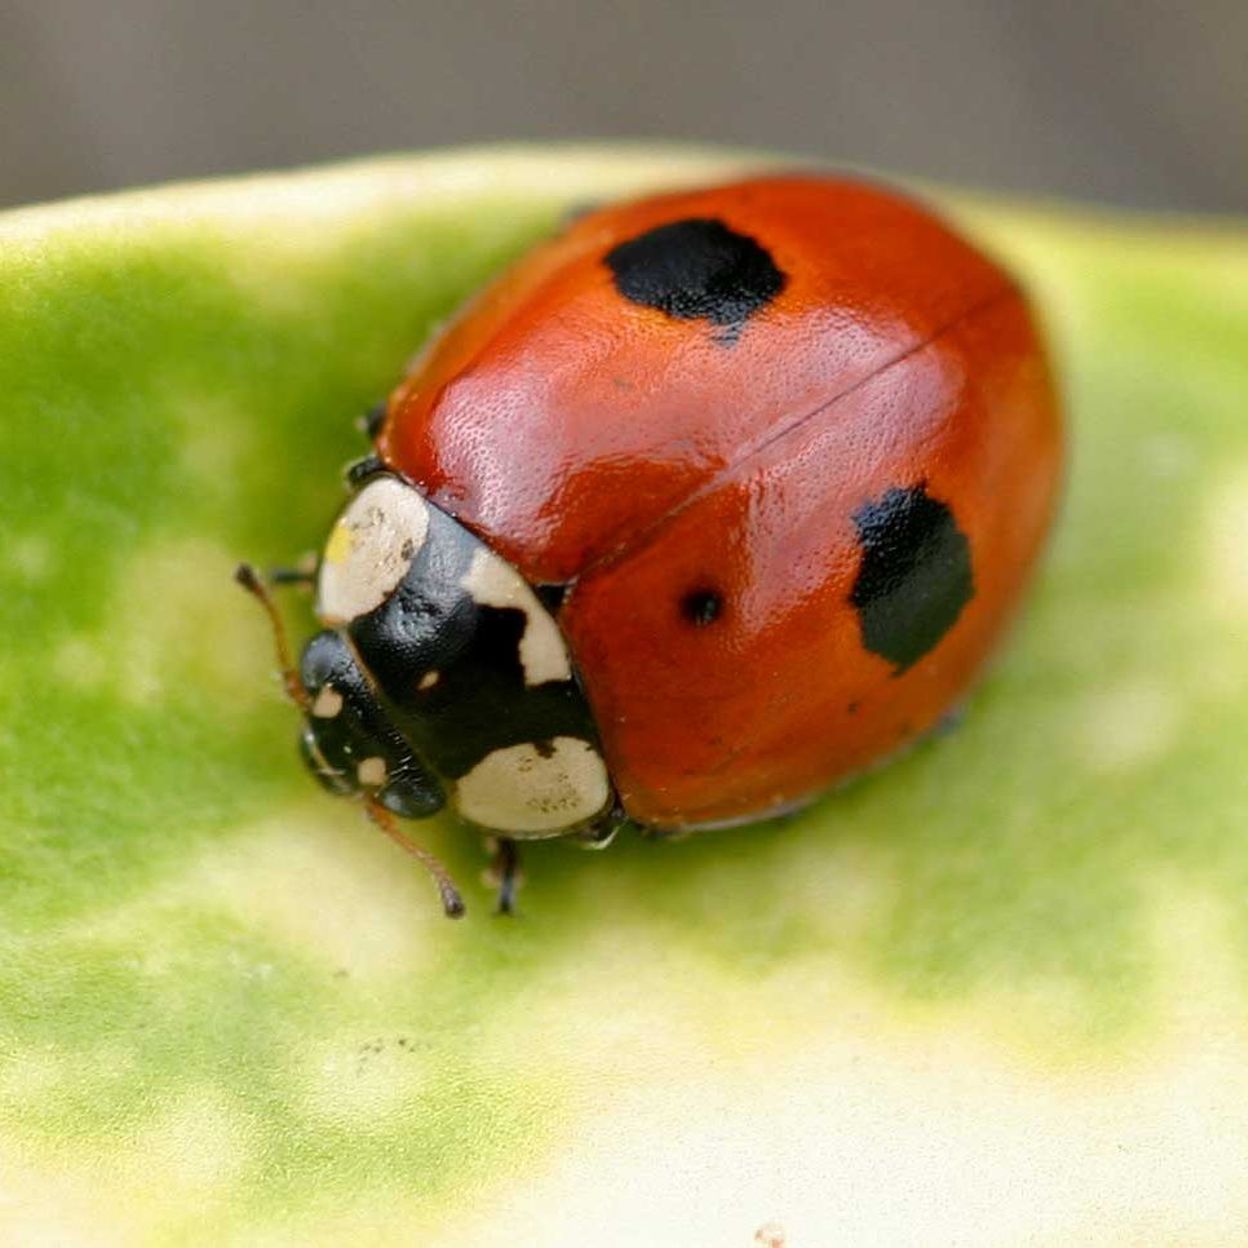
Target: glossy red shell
641, 456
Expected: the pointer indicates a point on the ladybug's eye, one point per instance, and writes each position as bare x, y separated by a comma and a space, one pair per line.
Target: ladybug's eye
701, 607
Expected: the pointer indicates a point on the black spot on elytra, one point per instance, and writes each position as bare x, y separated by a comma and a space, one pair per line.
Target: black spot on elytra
915, 576
701, 607
697, 269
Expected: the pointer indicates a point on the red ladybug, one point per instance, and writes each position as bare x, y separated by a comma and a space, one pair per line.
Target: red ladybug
717, 498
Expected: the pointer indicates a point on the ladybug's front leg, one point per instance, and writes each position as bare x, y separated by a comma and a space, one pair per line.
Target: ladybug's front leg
504, 872
301, 574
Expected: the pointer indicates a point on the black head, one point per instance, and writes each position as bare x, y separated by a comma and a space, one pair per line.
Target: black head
348, 741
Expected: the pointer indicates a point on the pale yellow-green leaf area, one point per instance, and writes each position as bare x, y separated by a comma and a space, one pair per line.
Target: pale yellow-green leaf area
991, 994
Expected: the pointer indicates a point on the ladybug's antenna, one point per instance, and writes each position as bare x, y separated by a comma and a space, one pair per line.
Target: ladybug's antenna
452, 902
247, 577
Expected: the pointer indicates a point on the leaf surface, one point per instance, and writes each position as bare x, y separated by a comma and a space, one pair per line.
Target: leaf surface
992, 993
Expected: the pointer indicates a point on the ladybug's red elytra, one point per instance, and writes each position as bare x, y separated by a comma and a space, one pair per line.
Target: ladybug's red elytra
715, 499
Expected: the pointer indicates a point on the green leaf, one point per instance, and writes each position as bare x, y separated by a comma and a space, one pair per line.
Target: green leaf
993, 993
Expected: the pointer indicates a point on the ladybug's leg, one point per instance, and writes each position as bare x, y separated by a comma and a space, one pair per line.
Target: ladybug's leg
504, 872
575, 211
304, 573
600, 833
372, 420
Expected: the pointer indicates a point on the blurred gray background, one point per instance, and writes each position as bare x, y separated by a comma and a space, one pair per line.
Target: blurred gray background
1126, 101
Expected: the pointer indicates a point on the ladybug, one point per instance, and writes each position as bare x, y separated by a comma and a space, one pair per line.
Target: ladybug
714, 500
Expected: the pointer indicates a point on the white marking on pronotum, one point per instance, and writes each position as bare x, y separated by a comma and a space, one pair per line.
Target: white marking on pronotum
371, 771
328, 703
522, 789
494, 582
370, 549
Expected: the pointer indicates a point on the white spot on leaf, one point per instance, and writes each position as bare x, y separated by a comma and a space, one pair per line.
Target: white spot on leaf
305, 879
360, 1080
81, 662
1126, 727
30, 556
